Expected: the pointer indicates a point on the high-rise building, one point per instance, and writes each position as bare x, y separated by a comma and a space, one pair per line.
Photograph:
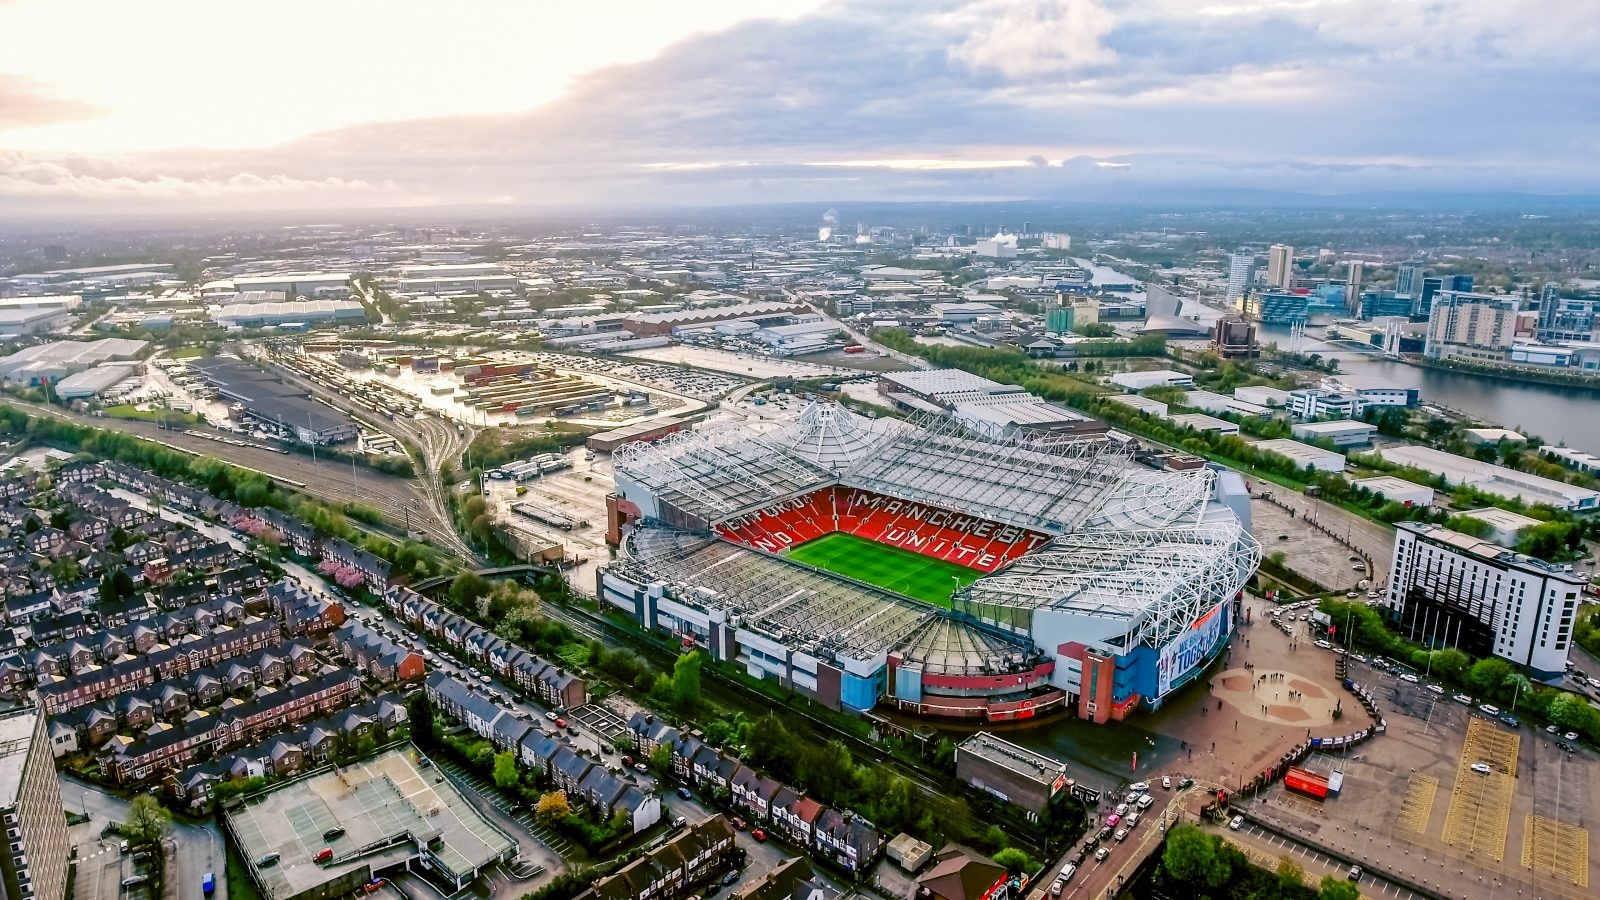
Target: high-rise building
1241, 271
1408, 279
35, 866
1460, 282
1352, 288
1431, 286
1477, 326
1280, 265
1567, 318
1449, 589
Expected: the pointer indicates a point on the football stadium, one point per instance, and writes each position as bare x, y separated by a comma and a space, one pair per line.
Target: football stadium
930, 565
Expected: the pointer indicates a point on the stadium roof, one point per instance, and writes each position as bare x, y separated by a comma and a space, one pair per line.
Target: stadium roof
1155, 551
1039, 480
833, 437
1134, 544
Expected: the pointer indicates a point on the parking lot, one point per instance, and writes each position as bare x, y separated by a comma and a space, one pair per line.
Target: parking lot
1306, 549
486, 793
1452, 797
1265, 848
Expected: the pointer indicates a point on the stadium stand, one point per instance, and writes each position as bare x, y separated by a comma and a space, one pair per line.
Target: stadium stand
943, 534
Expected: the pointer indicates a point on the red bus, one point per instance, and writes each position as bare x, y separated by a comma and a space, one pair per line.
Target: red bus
855, 348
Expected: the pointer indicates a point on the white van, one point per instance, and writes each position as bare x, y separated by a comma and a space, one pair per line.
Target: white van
1067, 871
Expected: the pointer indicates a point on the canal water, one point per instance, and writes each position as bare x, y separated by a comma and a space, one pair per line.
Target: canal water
1556, 414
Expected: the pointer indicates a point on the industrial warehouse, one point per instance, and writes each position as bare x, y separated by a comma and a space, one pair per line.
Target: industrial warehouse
258, 396
937, 567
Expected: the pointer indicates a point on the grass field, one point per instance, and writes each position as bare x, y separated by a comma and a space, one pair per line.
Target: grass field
891, 568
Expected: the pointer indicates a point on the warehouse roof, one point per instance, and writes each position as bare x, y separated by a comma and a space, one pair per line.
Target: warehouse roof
81, 354
92, 381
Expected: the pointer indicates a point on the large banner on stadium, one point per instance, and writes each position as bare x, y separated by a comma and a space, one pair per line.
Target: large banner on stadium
1194, 645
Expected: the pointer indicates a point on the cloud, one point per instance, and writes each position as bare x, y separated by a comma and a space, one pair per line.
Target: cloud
23, 177
1031, 38
23, 104
906, 101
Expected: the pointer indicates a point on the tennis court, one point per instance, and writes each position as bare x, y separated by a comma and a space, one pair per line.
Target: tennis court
891, 568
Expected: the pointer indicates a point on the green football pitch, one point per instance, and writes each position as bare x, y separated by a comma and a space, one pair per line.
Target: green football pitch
891, 568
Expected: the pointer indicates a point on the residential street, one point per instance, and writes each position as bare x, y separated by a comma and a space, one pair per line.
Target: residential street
199, 847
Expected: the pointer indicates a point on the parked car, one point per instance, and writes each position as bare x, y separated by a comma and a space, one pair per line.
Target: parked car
1481, 768
684, 793
1237, 823
759, 834
1166, 782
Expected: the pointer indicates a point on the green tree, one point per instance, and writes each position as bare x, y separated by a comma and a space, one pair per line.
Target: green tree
147, 822
1488, 676
1191, 859
1015, 861
1334, 888
419, 712
1450, 664
505, 769
829, 770
466, 588
1572, 712
661, 760
686, 680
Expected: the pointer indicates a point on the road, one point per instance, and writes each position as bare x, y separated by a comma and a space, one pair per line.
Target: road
199, 847
584, 736
308, 579
861, 337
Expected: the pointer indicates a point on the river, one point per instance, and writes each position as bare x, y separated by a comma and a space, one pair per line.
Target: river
1556, 414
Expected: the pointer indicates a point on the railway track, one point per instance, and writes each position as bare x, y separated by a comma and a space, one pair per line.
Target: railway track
437, 441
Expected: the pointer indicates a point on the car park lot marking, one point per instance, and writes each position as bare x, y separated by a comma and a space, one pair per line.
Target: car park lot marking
1416, 808
1480, 804
1373, 885
1556, 849
487, 792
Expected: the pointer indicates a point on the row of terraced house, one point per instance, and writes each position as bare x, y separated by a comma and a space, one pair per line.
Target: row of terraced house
288, 751
552, 684
586, 784
843, 837
167, 748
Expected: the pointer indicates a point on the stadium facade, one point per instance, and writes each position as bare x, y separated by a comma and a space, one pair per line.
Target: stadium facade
1101, 585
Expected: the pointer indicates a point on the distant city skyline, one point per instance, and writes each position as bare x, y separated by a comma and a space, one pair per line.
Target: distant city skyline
197, 106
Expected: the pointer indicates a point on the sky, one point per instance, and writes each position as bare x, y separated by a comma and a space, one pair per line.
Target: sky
186, 105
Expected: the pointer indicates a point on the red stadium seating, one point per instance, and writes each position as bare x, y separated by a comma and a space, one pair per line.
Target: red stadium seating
932, 531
